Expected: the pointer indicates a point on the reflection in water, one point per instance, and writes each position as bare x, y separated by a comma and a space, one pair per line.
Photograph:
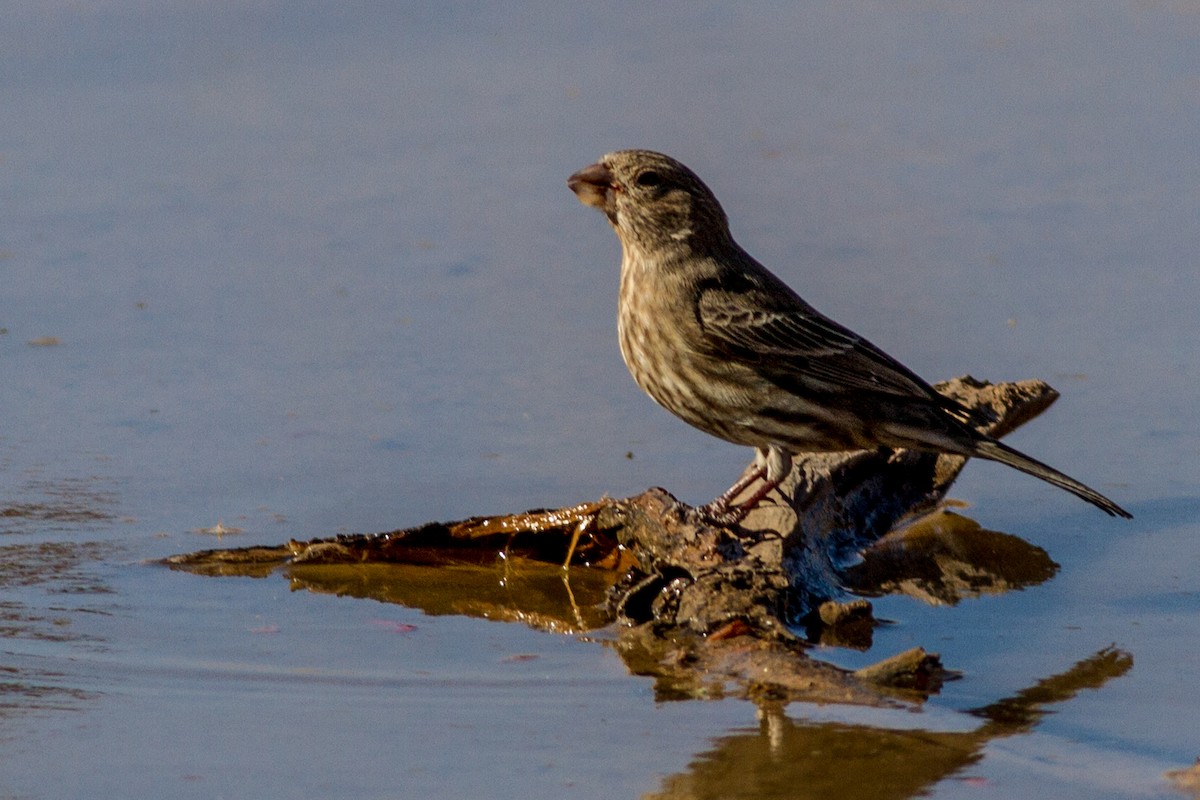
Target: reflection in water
539, 595
944, 558
1186, 780
320, 259
787, 758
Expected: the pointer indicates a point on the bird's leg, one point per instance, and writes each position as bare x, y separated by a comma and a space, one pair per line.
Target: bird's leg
720, 512
720, 507
723, 512
771, 465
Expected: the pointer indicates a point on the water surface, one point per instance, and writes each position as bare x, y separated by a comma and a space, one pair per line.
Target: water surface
297, 269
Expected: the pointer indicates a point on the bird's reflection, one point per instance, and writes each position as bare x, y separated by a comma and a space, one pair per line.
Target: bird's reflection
796, 759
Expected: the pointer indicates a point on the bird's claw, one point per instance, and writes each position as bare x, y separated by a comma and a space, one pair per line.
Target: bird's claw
719, 513
716, 514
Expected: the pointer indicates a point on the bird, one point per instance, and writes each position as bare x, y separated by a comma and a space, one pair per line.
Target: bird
717, 339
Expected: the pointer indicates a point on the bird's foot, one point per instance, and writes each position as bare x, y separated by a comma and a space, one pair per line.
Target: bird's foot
720, 513
716, 514
724, 513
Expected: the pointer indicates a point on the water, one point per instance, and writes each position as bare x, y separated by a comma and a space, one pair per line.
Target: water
315, 269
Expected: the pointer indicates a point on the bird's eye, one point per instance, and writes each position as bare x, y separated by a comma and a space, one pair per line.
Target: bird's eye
649, 179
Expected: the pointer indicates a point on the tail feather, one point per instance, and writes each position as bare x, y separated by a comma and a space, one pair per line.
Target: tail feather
996, 451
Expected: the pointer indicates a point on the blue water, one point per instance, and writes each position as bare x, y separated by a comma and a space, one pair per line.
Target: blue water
313, 268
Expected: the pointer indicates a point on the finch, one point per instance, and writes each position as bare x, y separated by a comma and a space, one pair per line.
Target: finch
717, 339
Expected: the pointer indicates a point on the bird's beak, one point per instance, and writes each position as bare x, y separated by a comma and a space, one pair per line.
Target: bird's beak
592, 186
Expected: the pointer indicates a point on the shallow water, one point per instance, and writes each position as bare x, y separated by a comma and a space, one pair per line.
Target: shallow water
315, 269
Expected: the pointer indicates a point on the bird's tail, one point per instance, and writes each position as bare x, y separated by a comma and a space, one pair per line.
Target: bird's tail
996, 451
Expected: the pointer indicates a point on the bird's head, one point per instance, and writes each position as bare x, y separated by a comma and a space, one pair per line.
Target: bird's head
652, 201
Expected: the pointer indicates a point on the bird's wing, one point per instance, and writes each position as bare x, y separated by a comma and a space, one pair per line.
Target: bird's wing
791, 342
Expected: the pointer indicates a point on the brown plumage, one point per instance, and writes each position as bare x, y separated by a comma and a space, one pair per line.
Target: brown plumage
717, 339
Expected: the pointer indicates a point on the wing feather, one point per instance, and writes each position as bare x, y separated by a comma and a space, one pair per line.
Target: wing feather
793, 344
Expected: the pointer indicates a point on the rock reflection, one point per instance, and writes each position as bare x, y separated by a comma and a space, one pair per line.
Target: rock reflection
512, 573
537, 594
944, 558
790, 758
